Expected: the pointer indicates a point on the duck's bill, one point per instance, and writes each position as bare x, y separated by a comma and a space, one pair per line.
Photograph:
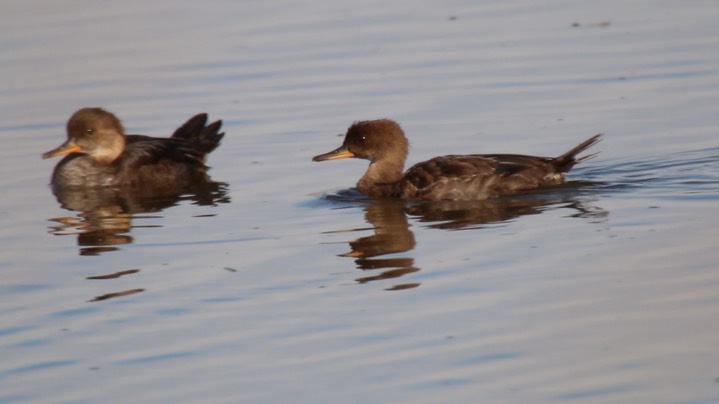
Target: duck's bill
336, 154
65, 148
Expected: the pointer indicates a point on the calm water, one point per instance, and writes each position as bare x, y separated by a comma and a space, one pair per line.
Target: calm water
285, 286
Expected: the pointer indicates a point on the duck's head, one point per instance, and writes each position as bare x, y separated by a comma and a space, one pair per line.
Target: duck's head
95, 132
378, 140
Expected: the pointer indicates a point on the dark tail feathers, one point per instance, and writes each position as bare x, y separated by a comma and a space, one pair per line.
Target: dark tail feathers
566, 161
203, 139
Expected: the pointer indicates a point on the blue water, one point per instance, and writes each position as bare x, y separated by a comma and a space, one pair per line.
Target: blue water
285, 285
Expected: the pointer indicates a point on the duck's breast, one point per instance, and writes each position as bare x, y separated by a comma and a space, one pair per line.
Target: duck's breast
79, 170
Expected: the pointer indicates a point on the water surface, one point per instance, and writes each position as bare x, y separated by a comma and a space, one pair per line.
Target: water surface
285, 285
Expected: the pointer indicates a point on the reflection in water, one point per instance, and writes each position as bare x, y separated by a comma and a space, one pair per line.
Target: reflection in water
392, 234
472, 215
116, 294
115, 275
113, 295
105, 214
105, 218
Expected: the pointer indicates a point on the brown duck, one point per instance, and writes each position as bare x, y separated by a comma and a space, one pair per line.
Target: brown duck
98, 153
453, 177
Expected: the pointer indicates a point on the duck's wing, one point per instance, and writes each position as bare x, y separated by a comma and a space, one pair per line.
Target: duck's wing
482, 176
179, 158
444, 177
475, 176
149, 160
512, 164
429, 172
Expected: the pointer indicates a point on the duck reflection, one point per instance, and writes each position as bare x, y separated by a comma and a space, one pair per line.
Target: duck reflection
391, 235
105, 214
458, 215
390, 221
113, 295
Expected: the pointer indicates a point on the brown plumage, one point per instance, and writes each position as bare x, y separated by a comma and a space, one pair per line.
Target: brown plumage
453, 177
98, 153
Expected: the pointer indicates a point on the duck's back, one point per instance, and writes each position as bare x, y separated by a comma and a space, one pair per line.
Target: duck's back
177, 160
476, 177
149, 161
484, 176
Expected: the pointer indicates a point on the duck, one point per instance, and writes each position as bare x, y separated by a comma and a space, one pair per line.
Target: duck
467, 177
98, 153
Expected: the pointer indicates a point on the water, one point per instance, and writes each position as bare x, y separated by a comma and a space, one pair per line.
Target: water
285, 285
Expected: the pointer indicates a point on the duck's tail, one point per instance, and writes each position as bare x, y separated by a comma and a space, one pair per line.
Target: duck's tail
202, 138
566, 161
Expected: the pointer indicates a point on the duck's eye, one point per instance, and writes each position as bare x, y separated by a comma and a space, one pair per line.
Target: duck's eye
89, 131
364, 138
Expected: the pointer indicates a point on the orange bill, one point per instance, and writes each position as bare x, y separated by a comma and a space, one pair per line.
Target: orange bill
63, 149
339, 153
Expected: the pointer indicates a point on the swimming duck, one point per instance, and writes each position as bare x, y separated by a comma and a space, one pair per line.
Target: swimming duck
453, 177
98, 153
